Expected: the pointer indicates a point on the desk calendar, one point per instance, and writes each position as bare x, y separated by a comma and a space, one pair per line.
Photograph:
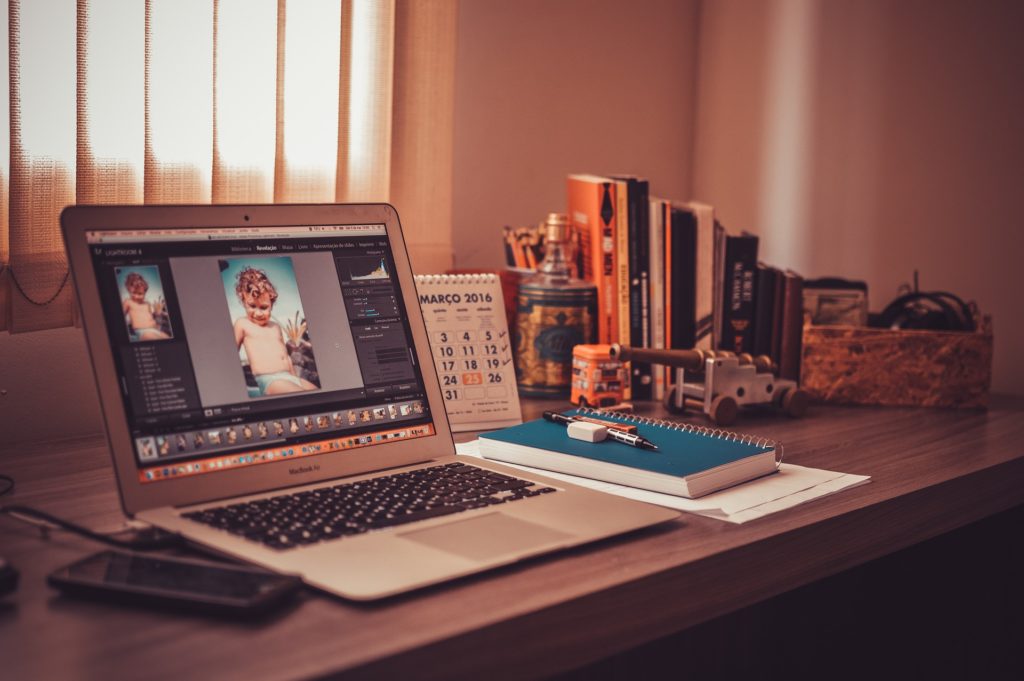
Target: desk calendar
472, 349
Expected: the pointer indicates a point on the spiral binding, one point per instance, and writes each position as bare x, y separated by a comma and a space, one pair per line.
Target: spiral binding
484, 278
691, 428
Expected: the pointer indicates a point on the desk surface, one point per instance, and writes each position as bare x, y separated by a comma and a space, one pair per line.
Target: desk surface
932, 470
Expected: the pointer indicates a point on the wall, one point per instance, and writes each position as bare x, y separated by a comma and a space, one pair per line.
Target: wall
870, 138
546, 88
895, 143
47, 389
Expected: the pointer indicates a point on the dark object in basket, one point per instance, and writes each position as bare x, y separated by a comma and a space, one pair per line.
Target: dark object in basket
934, 310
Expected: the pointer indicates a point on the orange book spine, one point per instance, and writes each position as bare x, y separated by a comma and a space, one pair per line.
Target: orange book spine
592, 214
622, 246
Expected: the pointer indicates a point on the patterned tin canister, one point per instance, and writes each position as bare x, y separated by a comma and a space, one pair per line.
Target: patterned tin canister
549, 323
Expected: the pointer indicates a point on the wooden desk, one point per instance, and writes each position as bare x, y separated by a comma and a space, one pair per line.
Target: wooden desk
933, 471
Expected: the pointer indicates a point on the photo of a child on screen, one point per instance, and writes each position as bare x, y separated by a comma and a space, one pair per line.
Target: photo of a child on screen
277, 359
143, 304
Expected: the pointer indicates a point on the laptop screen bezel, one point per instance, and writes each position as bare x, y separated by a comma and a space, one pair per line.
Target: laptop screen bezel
136, 496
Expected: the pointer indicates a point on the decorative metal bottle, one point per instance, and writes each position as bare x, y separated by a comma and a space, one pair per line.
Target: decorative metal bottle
555, 312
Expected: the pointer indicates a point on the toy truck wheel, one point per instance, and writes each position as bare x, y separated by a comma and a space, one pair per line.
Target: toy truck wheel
794, 402
723, 410
670, 403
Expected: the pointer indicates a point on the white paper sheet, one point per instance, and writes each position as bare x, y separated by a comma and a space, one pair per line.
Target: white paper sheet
790, 486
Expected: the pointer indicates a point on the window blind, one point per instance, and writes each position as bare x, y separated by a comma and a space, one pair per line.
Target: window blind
199, 101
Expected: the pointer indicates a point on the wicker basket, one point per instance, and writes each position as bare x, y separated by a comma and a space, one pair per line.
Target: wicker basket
856, 365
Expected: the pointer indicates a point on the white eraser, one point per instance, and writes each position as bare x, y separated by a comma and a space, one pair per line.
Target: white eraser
588, 432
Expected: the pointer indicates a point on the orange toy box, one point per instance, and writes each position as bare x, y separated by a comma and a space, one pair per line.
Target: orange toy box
597, 379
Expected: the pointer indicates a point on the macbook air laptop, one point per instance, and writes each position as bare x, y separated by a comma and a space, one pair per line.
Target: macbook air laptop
269, 393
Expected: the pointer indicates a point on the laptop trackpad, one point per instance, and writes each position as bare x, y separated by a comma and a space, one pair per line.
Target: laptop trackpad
486, 537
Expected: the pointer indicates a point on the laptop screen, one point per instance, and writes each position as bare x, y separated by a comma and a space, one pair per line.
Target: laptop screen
248, 345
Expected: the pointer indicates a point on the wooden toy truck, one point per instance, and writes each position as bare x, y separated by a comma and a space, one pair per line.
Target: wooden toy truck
719, 382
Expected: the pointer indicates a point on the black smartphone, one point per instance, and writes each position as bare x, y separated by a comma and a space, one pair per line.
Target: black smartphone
176, 583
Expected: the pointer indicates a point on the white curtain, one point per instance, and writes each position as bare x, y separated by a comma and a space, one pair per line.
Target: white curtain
202, 101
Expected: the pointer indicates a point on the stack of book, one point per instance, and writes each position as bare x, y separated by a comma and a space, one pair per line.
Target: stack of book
691, 461
669, 275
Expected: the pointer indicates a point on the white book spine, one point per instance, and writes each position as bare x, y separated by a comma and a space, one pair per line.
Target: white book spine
657, 299
707, 280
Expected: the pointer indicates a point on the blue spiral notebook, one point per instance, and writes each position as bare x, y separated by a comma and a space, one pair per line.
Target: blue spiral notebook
692, 460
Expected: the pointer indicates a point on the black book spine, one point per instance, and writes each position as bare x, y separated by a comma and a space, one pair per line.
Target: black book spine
792, 326
764, 304
639, 254
643, 387
718, 286
684, 279
778, 309
740, 270
635, 331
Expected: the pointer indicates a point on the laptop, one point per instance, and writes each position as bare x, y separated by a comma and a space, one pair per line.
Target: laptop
269, 393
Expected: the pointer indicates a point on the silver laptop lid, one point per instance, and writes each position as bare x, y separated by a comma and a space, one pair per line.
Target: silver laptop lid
244, 348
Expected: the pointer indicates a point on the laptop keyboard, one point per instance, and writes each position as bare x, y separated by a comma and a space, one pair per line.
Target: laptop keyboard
302, 518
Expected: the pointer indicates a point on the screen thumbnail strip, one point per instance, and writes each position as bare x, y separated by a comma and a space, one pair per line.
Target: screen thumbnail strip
281, 453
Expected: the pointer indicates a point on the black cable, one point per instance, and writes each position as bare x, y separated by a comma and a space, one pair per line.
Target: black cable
24, 293
145, 540
6, 484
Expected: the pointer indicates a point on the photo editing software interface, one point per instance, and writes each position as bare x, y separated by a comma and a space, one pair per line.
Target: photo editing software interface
242, 346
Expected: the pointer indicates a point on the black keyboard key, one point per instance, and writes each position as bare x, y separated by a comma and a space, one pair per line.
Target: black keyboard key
412, 517
517, 484
326, 513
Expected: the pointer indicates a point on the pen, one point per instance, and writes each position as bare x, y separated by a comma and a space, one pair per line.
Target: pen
617, 435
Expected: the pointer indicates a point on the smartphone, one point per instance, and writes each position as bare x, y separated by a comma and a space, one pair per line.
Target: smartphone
175, 583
